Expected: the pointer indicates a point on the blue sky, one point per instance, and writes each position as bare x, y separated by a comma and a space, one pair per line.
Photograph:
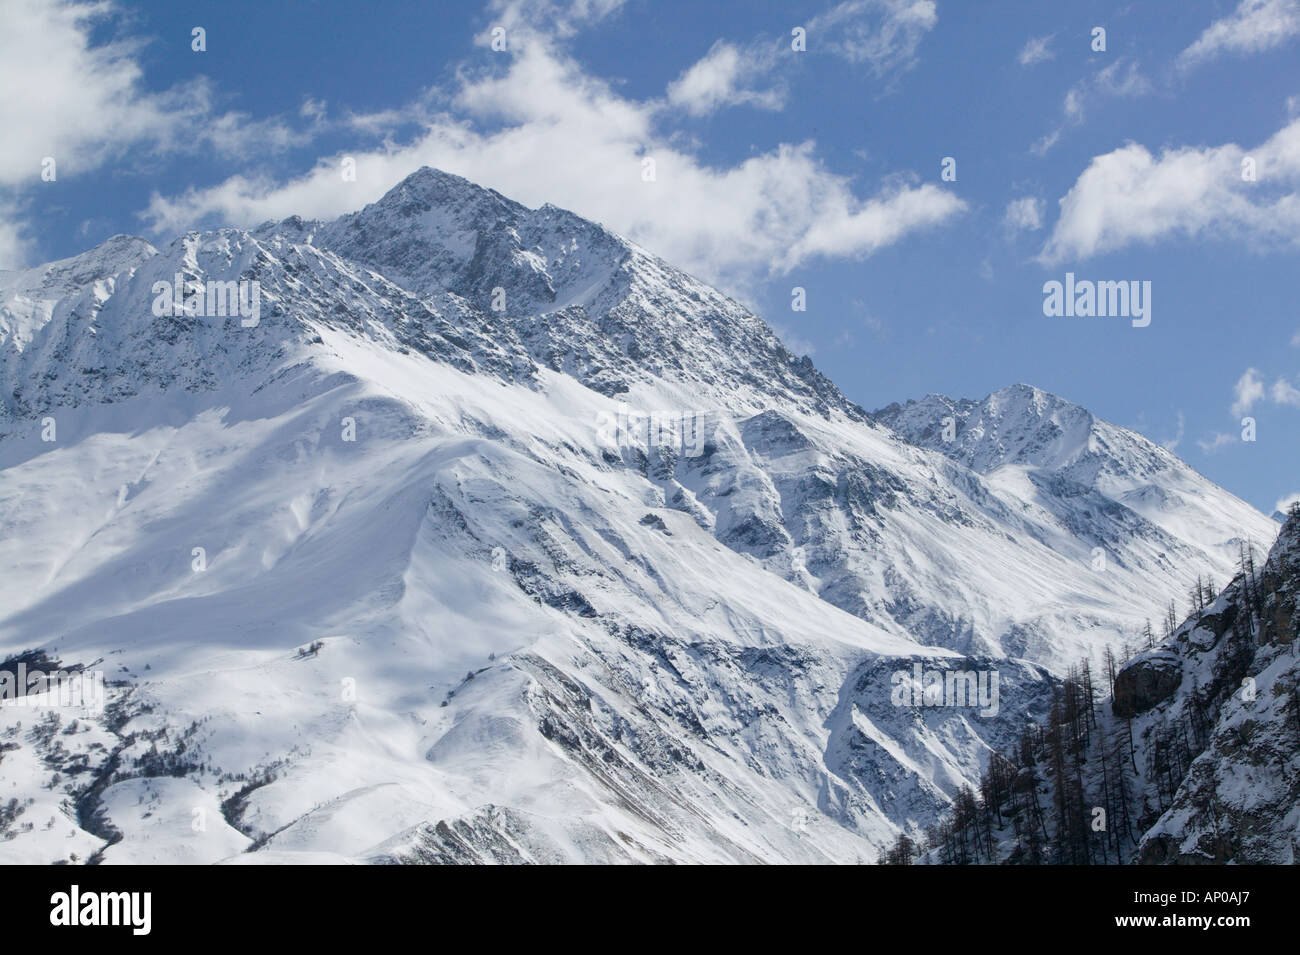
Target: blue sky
774, 168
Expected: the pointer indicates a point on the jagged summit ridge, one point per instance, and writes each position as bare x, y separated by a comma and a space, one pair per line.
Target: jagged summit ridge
544, 285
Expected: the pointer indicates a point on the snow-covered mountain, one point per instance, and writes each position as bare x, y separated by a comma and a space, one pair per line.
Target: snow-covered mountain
491, 536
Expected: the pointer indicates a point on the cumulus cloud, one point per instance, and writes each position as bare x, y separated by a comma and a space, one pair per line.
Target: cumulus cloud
1255, 26
543, 130
1036, 50
1131, 196
78, 101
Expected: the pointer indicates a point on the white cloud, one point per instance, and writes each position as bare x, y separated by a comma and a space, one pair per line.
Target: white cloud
1128, 196
65, 95
1285, 393
1024, 214
884, 34
65, 98
73, 90
1172, 443
544, 131
1255, 26
726, 76
1248, 390
1036, 50
14, 245
1121, 78
522, 18
1049, 140
1284, 503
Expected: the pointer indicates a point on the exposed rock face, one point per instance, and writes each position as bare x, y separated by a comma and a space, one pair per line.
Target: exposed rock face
1198, 761
1145, 682
1240, 799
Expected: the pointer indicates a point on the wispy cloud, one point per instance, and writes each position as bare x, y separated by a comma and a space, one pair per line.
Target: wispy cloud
1036, 50
1121, 78
1217, 442
1284, 503
882, 34
557, 18
1171, 444
1255, 26
15, 245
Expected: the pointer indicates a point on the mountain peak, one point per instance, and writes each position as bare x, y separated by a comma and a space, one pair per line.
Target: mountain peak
438, 185
426, 231
1017, 424
1029, 396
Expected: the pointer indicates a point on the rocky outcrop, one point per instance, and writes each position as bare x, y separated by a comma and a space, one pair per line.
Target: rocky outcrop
1148, 680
